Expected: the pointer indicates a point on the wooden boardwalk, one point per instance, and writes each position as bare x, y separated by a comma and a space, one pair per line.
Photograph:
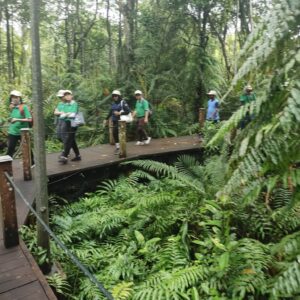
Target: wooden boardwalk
20, 278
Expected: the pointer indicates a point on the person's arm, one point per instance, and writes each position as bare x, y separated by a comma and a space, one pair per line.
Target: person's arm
242, 100
146, 108
58, 110
216, 110
105, 121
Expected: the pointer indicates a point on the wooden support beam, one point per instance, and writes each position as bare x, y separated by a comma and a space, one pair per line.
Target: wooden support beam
122, 139
111, 128
9, 213
26, 153
201, 117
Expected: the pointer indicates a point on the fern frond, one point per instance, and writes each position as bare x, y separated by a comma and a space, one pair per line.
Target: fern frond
122, 291
166, 171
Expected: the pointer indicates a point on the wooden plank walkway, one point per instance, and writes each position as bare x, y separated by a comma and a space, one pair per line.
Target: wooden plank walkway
20, 277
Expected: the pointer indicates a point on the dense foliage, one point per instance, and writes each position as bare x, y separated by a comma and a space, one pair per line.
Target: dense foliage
228, 228
175, 51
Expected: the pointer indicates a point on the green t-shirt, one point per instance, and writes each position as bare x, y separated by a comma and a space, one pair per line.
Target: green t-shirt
60, 107
15, 128
140, 107
247, 98
71, 107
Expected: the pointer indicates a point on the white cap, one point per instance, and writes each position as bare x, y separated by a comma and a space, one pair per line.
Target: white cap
248, 87
60, 93
15, 93
116, 92
138, 92
214, 93
68, 92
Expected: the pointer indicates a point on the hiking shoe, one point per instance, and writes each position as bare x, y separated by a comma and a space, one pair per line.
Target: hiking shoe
117, 151
138, 143
76, 158
147, 142
63, 159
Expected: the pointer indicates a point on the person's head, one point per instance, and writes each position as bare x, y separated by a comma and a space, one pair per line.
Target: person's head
138, 94
212, 94
116, 95
15, 97
60, 94
68, 96
248, 89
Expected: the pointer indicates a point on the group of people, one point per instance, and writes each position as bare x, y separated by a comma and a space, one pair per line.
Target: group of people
65, 112
212, 113
67, 108
120, 107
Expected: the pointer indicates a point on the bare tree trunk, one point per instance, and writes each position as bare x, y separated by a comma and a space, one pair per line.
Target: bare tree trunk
129, 31
8, 46
236, 37
40, 181
67, 39
120, 46
23, 54
250, 15
1, 53
13, 52
108, 28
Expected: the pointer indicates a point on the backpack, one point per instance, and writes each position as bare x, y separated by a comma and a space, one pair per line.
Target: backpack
21, 109
125, 106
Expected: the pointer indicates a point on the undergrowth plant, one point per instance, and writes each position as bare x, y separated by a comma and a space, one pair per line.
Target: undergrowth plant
227, 228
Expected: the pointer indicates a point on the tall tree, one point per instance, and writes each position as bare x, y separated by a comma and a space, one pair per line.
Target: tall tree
40, 181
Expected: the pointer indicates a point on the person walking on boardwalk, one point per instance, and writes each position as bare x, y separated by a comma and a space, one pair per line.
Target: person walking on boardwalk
212, 107
70, 110
142, 113
19, 118
246, 98
118, 107
59, 110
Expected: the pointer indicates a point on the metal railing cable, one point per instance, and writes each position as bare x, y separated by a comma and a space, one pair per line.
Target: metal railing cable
75, 260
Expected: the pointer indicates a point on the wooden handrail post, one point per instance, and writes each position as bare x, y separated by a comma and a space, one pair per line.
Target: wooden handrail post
111, 129
26, 153
8, 203
201, 117
122, 139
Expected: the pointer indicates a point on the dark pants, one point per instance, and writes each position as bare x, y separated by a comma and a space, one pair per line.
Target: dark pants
69, 139
246, 120
116, 131
12, 143
141, 132
11, 146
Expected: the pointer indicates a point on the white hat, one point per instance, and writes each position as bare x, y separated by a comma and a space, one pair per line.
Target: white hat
60, 93
214, 93
15, 93
116, 92
248, 87
68, 92
138, 92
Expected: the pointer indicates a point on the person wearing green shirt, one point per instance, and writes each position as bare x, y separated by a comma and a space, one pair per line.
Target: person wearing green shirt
70, 109
142, 113
59, 110
245, 99
19, 118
